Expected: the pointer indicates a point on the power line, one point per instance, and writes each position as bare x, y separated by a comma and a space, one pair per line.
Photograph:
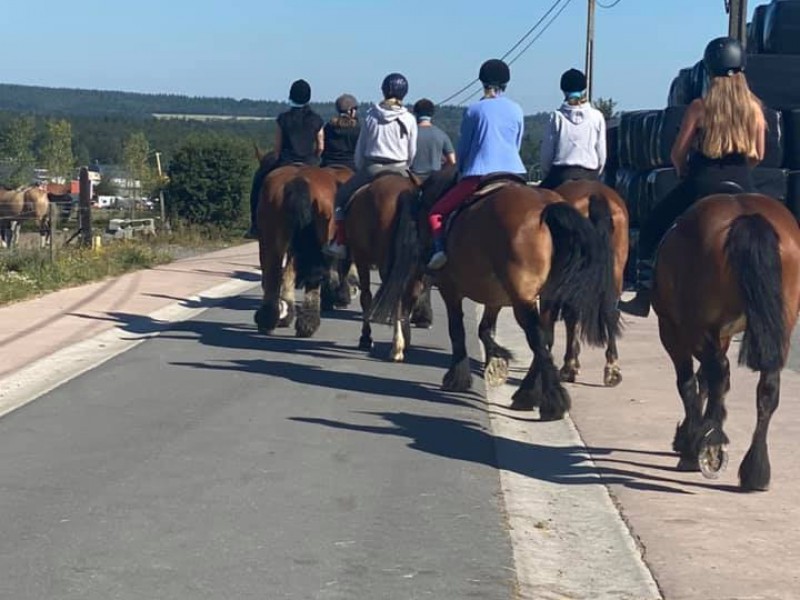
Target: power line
541, 33
514, 47
612, 5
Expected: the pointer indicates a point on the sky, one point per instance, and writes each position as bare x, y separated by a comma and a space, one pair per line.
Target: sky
256, 48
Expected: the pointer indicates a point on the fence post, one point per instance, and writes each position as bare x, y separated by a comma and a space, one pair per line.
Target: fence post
52, 210
85, 208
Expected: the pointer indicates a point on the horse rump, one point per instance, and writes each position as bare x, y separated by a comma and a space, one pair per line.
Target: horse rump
306, 246
753, 253
582, 272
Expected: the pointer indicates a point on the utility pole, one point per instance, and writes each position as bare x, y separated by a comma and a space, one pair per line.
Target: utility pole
161, 191
590, 48
737, 20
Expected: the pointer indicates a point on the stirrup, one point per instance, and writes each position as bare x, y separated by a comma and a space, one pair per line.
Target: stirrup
336, 250
437, 261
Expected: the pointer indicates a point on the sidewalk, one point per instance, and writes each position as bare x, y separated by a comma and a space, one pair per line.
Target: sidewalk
34, 329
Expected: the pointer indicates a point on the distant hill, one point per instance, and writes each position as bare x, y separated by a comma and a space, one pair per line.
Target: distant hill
102, 119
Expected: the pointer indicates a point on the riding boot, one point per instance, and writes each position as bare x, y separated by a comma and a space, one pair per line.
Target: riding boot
337, 248
639, 305
439, 258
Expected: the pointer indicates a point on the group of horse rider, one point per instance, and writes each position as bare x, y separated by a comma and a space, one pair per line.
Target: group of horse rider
721, 139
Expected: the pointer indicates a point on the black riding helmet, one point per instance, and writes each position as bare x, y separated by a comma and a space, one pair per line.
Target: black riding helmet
494, 73
394, 85
573, 81
346, 102
300, 92
424, 108
724, 56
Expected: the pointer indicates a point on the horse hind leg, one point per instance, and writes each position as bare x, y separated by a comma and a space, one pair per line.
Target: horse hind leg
422, 313
572, 365
365, 299
286, 304
612, 374
308, 321
541, 386
458, 377
268, 314
495, 368
755, 471
710, 438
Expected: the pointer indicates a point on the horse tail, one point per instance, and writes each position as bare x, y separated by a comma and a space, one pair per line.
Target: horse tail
309, 260
752, 251
582, 274
403, 263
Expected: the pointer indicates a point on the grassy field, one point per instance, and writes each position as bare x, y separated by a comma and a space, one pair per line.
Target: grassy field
28, 271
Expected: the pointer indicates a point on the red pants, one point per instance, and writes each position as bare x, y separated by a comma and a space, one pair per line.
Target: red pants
451, 201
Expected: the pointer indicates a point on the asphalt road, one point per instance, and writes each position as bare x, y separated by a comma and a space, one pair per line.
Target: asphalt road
211, 462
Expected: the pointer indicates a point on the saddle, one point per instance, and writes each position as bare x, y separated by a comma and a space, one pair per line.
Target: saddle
366, 185
488, 185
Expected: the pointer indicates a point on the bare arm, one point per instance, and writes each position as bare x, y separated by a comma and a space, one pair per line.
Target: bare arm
680, 149
320, 142
450, 158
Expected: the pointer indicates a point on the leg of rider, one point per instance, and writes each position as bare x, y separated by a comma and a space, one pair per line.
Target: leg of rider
553, 179
343, 194
655, 226
443, 207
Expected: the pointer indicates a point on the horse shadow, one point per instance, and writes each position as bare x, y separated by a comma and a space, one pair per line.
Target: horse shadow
467, 441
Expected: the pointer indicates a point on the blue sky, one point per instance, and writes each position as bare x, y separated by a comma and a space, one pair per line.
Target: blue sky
255, 49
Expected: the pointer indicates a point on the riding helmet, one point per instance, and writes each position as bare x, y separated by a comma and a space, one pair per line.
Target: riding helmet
573, 81
300, 92
724, 56
424, 108
494, 72
346, 102
394, 85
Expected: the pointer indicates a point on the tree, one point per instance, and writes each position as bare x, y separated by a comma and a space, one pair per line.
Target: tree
105, 188
56, 153
209, 179
607, 106
16, 146
135, 157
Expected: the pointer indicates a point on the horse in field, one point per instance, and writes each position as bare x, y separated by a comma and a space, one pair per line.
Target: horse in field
730, 265
23, 204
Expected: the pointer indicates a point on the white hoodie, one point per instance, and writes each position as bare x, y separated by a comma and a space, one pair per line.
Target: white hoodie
388, 133
576, 137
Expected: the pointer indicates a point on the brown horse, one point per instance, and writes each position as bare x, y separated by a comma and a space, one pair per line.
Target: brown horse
370, 223
505, 248
731, 264
29, 203
579, 193
295, 220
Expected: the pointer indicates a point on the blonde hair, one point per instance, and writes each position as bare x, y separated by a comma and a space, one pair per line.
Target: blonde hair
733, 118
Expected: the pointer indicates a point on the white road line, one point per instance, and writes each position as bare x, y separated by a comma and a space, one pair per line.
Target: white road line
568, 538
48, 373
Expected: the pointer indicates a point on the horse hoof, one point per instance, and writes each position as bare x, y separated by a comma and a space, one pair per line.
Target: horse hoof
688, 465
452, 382
713, 458
422, 324
568, 374
365, 343
397, 357
525, 399
496, 372
612, 377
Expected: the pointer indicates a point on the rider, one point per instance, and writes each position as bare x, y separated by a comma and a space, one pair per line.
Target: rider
490, 139
387, 142
433, 144
574, 146
727, 130
298, 139
341, 134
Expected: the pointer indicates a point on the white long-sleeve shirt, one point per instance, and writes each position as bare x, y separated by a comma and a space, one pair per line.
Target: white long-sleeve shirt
388, 133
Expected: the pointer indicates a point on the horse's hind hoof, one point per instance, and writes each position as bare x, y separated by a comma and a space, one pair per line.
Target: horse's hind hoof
496, 372
458, 378
365, 343
568, 374
712, 458
525, 399
612, 376
422, 324
688, 465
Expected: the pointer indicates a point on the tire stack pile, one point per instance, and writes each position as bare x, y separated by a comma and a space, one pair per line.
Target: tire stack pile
640, 142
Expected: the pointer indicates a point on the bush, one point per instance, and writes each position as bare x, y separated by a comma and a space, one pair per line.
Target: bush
209, 181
